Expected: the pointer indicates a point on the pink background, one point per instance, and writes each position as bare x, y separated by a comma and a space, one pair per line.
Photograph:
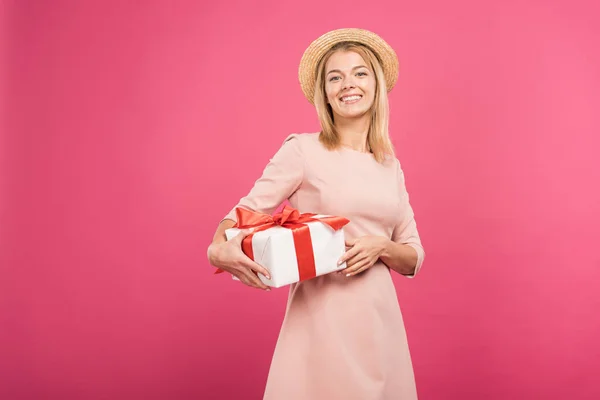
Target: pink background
130, 130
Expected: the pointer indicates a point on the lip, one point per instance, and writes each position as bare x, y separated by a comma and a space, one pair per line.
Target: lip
350, 95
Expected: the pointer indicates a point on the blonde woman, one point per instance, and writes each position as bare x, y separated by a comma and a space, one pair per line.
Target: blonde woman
343, 335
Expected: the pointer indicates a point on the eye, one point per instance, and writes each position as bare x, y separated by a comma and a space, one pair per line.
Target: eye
333, 78
362, 74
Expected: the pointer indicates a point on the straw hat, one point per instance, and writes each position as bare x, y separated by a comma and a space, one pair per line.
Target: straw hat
307, 71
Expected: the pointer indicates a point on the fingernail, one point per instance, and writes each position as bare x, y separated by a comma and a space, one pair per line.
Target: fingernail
348, 274
268, 290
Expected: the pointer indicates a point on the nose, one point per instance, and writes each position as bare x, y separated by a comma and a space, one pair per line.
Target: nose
348, 83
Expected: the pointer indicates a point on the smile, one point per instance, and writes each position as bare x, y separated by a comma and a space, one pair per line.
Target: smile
351, 99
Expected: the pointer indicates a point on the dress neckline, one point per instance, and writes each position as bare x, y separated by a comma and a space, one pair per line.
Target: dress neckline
344, 146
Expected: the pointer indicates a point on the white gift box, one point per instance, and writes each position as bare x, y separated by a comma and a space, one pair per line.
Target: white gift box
274, 249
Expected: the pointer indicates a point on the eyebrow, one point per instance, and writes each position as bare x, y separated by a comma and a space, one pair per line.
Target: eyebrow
337, 70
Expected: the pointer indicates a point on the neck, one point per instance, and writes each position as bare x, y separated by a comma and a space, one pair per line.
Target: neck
353, 132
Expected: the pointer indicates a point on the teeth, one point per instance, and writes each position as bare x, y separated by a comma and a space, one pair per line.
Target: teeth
350, 98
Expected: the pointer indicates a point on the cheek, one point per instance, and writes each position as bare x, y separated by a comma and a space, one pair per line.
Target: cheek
329, 92
371, 86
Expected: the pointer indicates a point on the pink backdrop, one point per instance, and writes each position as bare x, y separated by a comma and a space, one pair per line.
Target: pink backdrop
132, 129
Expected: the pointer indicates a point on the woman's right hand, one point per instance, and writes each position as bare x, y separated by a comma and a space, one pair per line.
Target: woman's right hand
229, 257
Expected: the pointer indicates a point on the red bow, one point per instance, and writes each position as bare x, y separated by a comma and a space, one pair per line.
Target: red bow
289, 218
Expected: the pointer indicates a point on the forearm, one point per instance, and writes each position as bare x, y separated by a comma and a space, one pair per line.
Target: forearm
219, 237
401, 258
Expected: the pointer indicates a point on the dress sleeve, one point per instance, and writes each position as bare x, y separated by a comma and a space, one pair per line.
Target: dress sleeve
405, 231
280, 179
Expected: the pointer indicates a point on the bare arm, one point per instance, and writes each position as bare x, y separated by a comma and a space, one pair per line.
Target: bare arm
401, 258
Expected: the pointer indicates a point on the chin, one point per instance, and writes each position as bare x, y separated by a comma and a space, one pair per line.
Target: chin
356, 114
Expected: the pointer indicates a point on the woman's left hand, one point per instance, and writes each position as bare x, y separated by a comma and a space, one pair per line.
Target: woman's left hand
362, 254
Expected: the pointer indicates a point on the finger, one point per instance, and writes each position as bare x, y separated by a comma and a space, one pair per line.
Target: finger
359, 267
247, 261
253, 280
243, 278
351, 263
246, 280
348, 255
355, 259
242, 234
256, 267
350, 242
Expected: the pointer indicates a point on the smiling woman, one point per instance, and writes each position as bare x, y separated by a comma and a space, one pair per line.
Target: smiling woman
348, 76
343, 335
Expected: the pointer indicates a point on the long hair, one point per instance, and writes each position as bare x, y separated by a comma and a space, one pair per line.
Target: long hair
378, 140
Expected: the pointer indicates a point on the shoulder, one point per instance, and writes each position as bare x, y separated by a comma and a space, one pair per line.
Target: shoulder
302, 138
391, 162
302, 141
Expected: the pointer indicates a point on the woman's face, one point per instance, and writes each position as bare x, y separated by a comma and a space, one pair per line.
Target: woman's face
349, 84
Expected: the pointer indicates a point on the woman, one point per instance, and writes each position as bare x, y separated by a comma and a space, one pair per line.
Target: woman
343, 335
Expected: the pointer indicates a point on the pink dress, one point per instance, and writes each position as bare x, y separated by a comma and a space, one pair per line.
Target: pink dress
342, 337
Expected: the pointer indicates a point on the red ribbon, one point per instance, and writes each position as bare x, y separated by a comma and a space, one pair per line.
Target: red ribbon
289, 218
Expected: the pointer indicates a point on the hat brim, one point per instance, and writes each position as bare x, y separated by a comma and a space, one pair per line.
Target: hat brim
307, 71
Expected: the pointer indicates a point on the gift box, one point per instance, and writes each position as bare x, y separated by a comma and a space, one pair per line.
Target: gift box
293, 247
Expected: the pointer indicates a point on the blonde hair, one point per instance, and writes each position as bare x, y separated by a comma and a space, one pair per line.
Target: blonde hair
378, 140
